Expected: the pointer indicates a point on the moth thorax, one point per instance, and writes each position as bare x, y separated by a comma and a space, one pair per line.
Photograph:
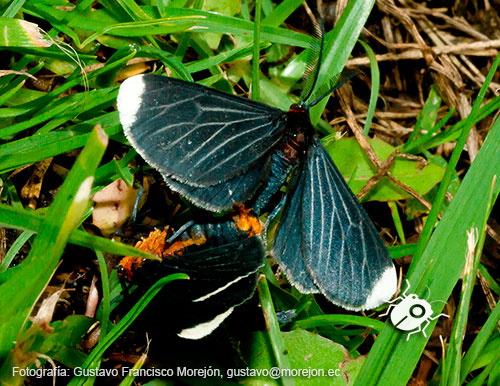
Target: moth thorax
299, 133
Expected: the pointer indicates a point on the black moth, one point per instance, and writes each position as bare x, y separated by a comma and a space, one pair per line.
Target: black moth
218, 149
222, 260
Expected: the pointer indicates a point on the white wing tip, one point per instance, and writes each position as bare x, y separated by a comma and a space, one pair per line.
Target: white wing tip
203, 329
129, 100
383, 290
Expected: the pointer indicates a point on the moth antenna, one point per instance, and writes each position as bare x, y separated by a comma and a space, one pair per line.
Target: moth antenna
334, 83
314, 60
319, 28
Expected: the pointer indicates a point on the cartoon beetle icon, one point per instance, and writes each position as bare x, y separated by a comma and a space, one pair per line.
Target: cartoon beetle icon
411, 313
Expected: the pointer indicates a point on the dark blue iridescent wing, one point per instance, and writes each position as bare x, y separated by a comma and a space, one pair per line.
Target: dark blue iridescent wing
194, 134
222, 277
342, 251
220, 264
222, 196
287, 248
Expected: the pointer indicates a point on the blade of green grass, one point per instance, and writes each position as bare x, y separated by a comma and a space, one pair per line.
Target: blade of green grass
338, 46
64, 107
134, 11
16, 218
273, 328
122, 325
280, 13
426, 119
439, 267
375, 87
18, 295
336, 319
147, 27
106, 299
21, 33
479, 343
13, 8
451, 363
15, 247
397, 220
36, 148
402, 250
256, 52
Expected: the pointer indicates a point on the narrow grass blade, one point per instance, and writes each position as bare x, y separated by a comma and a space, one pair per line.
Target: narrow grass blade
479, 343
256, 52
146, 28
439, 268
453, 358
280, 13
15, 247
339, 44
106, 299
36, 148
18, 295
21, 33
426, 119
13, 8
375, 87
402, 250
12, 217
122, 325
334, 319
273, 328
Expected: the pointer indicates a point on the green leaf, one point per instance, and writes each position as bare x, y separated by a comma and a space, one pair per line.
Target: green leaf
62, 342
356, 167
321, 361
